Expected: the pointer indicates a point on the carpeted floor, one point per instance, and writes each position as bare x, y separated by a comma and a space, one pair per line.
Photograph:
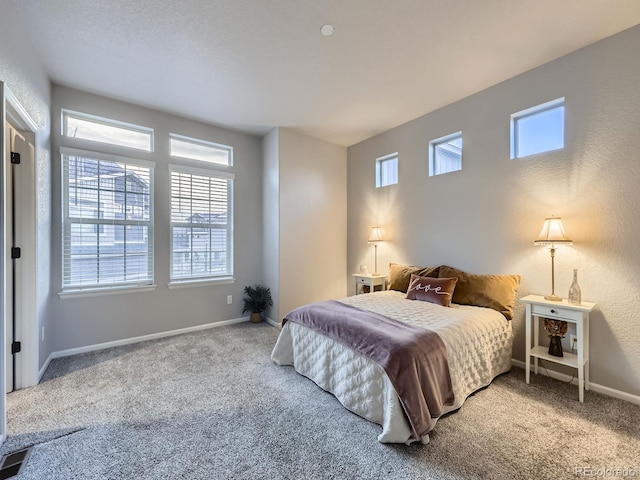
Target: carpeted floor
212, 405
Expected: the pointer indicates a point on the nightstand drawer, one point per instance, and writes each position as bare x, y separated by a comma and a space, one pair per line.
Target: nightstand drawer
363, 280
555, 312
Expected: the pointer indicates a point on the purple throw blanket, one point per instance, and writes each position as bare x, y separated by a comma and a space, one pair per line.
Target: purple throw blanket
414, 359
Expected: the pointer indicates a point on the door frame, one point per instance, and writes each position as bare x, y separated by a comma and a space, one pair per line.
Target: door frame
27, 374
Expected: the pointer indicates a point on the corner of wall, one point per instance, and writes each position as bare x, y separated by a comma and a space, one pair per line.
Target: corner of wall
270, 217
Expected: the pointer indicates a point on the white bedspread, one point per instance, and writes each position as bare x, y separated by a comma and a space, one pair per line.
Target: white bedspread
478, 341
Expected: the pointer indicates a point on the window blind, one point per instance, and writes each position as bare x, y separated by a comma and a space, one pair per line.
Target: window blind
107, 220
201, 224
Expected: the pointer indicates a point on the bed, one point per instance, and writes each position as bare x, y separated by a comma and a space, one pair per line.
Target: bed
478, 341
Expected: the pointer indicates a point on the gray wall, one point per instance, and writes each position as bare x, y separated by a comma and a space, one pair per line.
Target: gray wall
313, 220
92, 320
484, 218
23, 73
271, 219
305, 194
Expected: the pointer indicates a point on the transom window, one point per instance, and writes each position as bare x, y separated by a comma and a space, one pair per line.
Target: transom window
202, 150
107, 220
387, 170
105, 130
201, 224
445, 154
538, 129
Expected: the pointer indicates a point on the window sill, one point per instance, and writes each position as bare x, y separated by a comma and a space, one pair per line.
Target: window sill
98, 292
200, 283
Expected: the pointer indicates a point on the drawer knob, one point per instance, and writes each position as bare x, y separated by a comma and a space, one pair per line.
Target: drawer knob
553, 311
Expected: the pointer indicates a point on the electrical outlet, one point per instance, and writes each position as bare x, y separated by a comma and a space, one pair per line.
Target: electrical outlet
229, 299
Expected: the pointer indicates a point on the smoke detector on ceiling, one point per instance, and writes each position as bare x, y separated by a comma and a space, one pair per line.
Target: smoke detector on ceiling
327, 30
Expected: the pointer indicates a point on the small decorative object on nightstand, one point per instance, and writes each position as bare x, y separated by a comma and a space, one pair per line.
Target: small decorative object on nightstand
538, 307
556, 330
369, 282
575, 296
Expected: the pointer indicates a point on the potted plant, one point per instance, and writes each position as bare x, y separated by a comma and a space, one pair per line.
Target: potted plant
256, 300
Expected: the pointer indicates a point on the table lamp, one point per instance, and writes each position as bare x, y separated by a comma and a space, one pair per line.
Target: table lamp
552, 233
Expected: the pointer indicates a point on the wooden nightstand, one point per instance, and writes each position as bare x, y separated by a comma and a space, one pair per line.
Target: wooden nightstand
372, 281
538, 307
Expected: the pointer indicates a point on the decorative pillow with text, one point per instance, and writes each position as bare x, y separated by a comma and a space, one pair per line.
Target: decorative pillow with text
400, 275
430, 289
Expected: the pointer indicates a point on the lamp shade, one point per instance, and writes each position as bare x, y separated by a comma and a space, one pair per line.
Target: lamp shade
375, 235
552, 232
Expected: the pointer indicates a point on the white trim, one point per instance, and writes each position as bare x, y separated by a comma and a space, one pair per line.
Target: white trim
527, 112
107, 122
19, 116
611, 392
379, 162
205, 282
98, 292
107, 157
145, 338
3, 272
207, 172
45, 366
202, 143
433, 145
273, 323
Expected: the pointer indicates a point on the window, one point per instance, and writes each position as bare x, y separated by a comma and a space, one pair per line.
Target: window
445, 154
104, 130
201, 224
107, 220
195, 149
387, 170
538, 129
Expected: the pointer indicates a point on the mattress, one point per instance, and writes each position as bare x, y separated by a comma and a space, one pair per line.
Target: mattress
478, 340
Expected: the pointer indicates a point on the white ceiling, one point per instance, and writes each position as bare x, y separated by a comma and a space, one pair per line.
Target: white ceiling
256, 64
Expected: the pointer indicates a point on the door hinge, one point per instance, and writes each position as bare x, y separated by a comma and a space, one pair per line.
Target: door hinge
16, 347
15, 252
15, 158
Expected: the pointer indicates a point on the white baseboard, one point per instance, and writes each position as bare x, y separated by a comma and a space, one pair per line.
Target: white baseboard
271, 322
128, 341
611, 392
45, 366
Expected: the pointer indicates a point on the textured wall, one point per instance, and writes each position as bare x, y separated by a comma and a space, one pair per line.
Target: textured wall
23, 73
484, 218
91, 320
271, 218
313, 220
306, 187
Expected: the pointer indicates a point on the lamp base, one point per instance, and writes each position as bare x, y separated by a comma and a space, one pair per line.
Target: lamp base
553, 298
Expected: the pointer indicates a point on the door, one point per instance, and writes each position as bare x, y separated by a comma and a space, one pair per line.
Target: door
3, 242
16, 144
18, 218
20, 257
9, 298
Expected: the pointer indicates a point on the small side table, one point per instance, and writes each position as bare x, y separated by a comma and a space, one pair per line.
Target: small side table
538, 307
372, 281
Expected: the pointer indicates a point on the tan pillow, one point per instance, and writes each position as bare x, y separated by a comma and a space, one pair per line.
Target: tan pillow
430, 289
399, 275
493, 291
